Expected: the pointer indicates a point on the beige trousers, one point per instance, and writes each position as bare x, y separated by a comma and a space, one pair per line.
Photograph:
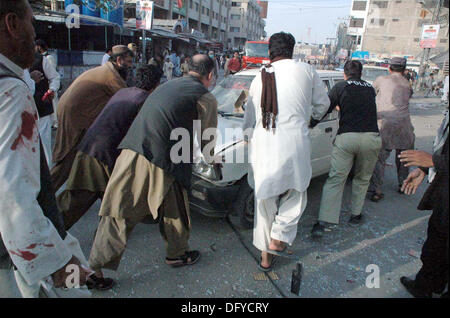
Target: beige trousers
138, 188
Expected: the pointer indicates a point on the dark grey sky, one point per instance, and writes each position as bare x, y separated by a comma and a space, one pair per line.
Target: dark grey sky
296, 16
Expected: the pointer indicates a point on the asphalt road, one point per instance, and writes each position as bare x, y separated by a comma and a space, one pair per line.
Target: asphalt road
391, 238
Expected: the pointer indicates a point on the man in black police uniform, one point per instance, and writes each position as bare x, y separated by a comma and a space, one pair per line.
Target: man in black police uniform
357, 144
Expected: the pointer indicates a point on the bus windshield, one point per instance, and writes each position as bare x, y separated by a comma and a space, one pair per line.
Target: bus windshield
257, 49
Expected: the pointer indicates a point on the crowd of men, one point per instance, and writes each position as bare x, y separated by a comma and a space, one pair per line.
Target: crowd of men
113, 143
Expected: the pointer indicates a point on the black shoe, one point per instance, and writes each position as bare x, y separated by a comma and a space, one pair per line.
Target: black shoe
410, 287
318, 230
355, 220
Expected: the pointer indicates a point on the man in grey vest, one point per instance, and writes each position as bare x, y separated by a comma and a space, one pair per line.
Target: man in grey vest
148, 179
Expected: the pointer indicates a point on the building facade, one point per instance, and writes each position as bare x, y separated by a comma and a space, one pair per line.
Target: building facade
246, 23
393, 28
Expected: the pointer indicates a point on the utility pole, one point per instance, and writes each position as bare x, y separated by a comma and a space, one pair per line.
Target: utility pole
426, 52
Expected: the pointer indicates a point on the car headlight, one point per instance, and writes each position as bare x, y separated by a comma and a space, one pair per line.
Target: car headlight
208, 171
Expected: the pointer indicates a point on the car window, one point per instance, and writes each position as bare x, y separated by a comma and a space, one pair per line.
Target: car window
371, 74
232, 92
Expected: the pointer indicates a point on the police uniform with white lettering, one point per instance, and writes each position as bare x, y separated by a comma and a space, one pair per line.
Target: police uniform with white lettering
356, 145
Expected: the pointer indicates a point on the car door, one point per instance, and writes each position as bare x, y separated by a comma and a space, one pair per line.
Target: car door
322, 137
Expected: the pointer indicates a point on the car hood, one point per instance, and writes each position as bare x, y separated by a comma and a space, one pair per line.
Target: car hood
229, 130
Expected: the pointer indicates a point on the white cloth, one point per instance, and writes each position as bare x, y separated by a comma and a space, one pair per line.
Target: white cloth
281, 158
45, 288
34, 244
54, 79
27, 78
277, 218
168, 70
105, 58
45, 132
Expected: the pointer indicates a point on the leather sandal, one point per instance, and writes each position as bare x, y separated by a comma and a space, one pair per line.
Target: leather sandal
189, 258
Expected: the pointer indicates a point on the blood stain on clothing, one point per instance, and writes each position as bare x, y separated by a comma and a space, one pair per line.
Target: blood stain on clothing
28, 256
30, 247
27, 129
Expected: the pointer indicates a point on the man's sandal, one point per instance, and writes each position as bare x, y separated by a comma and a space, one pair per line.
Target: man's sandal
99, 283
270, 268
188, 258
284, 253
377, 197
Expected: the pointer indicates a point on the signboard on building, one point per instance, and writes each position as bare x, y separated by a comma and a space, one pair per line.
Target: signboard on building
144, 14
179, 7
429, 37
264, 5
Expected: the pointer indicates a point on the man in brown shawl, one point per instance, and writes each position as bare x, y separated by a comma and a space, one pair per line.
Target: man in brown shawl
80, 105
394, 121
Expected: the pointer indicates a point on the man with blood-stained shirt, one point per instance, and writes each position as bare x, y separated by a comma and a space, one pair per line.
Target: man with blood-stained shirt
33, 240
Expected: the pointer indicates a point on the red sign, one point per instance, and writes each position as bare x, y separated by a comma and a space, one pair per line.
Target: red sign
264, 5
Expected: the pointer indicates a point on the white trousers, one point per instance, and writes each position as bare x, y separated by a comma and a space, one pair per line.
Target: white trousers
15, 288
277, 218
45, 131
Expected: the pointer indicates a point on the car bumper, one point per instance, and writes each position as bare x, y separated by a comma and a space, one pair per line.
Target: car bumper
211, 200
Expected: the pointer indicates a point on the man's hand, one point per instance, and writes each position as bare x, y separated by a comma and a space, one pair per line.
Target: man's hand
60, 276
414, 180
36, 76
416, 158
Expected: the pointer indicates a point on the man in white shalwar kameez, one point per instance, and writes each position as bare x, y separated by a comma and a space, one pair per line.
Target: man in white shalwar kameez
280, 108
32, 239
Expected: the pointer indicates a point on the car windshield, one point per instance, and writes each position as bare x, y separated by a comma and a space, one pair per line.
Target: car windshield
231, 94
257, 50
371, 74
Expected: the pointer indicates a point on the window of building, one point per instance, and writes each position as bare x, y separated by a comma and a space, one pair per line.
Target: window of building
207, 12
395, 20
235, 4
235, 29
416, 39
197, 7
356, 23
191, 4
235, 17
203, 10
379, 22
398, 1
381, 4
359, 6
443, 41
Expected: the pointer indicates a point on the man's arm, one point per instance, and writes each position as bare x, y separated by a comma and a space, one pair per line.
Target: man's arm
207, 114
32, 241
249, 112
320, 99
52, 75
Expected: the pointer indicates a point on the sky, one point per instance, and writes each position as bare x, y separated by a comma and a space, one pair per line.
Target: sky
296, 16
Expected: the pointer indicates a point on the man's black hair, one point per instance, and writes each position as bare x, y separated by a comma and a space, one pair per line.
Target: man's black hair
281, 45
353, 69
148, 77
41, 43
201, 64
397, 68
18, 7
108, 50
